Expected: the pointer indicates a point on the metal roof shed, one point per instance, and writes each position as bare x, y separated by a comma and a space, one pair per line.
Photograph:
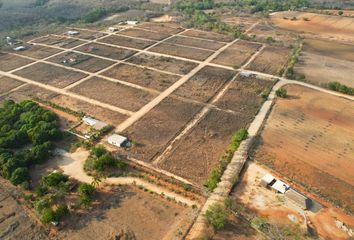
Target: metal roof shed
280, 186
117, 140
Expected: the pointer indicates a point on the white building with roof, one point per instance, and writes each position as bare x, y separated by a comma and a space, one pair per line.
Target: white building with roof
117, 140
280, 186
89, 121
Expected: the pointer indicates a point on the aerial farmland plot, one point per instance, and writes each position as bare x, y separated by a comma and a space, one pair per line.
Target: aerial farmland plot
7, 84
124, 41
10, 62
39, 52
58, 41
106, 51
146, 34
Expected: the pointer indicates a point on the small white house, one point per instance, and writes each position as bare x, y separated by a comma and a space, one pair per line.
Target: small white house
280, 186
72, 33
267, 180
19, 48
132, 22
112, 29
117, 140
89, 121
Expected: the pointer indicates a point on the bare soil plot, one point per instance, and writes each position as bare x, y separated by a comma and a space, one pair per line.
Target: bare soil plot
81, 61
271, 60
29, 92
180, 51
128, 210
59, 41
245, 96
106, 51
105, 115
195, 155
6, 84
245, 22
123, 41
309, 138
146, 34
170, 28
10, 62
38, 52
205, 83
193, 42
207, 35
50, 74
141, 76
114, 93
87, 35
163, 63
15, 222
325, 26
237, 54
159, 126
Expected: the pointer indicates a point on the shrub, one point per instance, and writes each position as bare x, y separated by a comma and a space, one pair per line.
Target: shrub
338, 87
281, 92
86, 191
216, 216
48, 215
54, 179
213, 179
19, 176
340, 12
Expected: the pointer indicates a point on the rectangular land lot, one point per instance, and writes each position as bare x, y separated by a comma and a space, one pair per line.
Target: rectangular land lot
86, 35
271, 60
308, 138
193, 42
59, 41
81, 61
146, 34
113, 93
159, 126
106, 51
6, 84
10, 62
170, 28
207, 35
163, 63
205, 83
180, 51
50, 74
141, 76
123, 41
29, 91
237, 54
38, 52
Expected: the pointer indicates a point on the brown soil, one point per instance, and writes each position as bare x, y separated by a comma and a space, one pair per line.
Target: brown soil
51, 75
170, 28
127, 209
59, 41
157, 36
163, 63
114, 93
6, 84
208, 35
127, 41
271, 60
308, 138
97, 112
193, 42
244, 22
179, 51
205, 83
237, 54
10, 62
106, 51
141, 76
38, 52
164, 122
81, 61
87, 35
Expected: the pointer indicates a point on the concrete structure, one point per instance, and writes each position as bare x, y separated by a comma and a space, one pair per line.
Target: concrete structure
280, 186
298, 198
132, 22
72, 33
117, 140
112, 29
268, 180
89, 121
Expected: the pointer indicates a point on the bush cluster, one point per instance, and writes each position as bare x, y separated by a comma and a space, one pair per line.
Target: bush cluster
338, 87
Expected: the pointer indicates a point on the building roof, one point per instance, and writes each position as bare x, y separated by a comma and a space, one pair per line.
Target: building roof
116, 139
89, 120
20, 48
268, 178
298, 198
99, 125
280, 186
72, 32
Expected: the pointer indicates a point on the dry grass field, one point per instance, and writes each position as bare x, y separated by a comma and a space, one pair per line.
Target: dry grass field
38, 52
86, 35
193, 42
171, 28
29, 91
58, 41
6, 84
123, 41
309, 138
106, 51
207, 35
10, 62
139, 33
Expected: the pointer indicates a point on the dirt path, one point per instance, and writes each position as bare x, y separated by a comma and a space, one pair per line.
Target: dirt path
72, 165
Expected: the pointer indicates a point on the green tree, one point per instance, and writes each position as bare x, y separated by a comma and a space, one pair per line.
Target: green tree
19, 176
281, 92
54, 179
216, 216
340, 12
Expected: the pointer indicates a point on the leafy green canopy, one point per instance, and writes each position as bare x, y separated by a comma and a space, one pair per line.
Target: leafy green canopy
27, 132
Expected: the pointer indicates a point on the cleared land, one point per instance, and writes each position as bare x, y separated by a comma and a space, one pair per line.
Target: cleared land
193, 42
38, 52
325, 26
51, 75
123, 41
163, 63
170, 28
271, 60
326, 61
180, 51
237, 54
29, 92
139, 33
59, 41
141, 76
207, 35
6, 84
164, 122
245, 22
81, 61
309, 139
113, 93
205, 83
87, 35
106, 51
10, 62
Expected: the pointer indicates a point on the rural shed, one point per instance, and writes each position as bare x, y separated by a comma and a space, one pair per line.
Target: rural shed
280, 186
267, 180
117, 140
298, 198
89, 121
